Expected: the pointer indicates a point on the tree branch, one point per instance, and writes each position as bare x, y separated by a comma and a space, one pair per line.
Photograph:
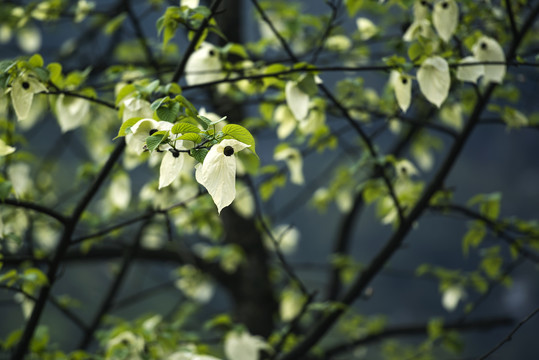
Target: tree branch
70, 226
36, 207
106, 304
509, 337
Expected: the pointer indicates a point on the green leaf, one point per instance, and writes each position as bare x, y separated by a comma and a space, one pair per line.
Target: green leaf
308, 85
473, 236
235, 49
9, 276
199, 154
35, 276
218, 121
127, 124
12, 339
36, 61
168, 113
157, 103
184, 128
238, 132
435, 328
126, 90
353, 6
191, 137
114, 24
190, 109
5, 188
55, 72
153, 142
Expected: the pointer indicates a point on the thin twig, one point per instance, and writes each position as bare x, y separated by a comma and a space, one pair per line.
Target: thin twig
509, 337
36, 207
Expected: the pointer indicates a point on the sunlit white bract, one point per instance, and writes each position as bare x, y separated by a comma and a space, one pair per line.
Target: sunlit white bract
402, 85
5, 149
141, 131
434, 80
203, 65
297, 100
218, 172
488, 50
470, 73
71, 112
23, 89
445, 18
243, 346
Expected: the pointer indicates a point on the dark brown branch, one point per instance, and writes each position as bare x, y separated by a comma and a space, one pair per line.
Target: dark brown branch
70, 226
106, 304
36, 207
511, 17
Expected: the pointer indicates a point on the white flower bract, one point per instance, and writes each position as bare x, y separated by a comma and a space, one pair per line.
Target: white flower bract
141, 131
293, 160
434, 80
243, 346
218, 172
71, 112
297, 100
5, 149
170, 168
23, 89
402, 85
203, 65
488, 50
366, 28
470, 73
445, 18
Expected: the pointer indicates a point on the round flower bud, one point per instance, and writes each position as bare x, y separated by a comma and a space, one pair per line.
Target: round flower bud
228, 151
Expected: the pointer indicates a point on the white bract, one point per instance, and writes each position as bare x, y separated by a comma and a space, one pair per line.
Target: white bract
419, 28
402, 85
243, 346
190, 3
286, 120
294, 162
141, 130
135, 107
29, 39
488, 50
119, 192
434, 80
421, 9
171, 165
71, 112
291, 304
452, 296
189, 355
203, 65
218, 172
23, 89
366, 28
445, 18
470, 73
297, 100
5, 149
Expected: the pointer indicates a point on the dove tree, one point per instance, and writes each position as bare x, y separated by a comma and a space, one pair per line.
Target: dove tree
268, 179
